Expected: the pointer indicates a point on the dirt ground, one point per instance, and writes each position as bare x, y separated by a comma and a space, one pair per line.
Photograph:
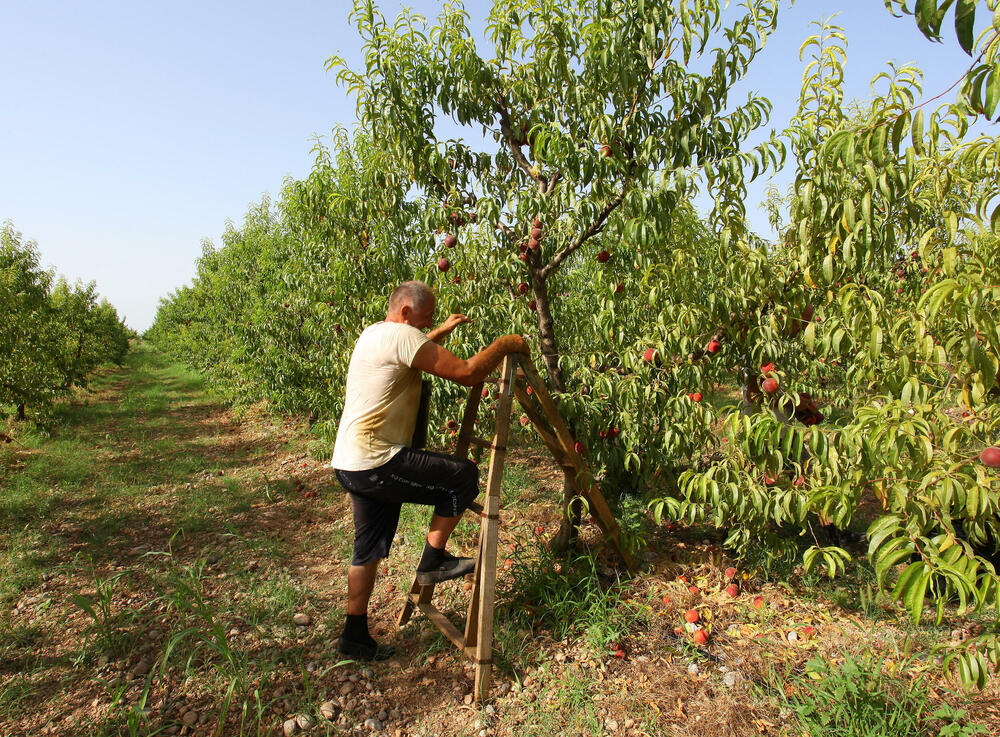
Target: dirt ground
177, 567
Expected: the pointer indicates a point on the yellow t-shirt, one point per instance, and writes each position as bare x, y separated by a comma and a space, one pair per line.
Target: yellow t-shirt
383, 395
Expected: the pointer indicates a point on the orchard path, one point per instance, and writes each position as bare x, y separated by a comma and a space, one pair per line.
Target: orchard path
195, 533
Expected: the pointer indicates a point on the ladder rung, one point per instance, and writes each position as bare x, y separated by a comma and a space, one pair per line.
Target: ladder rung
484, 444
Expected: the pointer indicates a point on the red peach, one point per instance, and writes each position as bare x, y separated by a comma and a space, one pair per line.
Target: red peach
990, 457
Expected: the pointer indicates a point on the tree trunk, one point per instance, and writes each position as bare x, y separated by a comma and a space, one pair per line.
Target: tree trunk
571, 505
20, 412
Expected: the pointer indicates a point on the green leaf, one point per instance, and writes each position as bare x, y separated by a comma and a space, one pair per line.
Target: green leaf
965, 21
992, 93
917, 132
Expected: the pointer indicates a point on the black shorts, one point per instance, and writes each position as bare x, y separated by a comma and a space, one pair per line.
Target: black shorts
417, 476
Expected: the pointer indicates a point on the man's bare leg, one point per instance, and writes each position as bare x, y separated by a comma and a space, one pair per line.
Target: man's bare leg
360, 582
441, 529
355, 641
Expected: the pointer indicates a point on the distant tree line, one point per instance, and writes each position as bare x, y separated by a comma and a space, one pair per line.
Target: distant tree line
54, 333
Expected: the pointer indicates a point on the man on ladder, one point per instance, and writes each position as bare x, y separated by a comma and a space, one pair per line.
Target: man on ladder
374, 462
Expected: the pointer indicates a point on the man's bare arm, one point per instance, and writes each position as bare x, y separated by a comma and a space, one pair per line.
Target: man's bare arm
439, 361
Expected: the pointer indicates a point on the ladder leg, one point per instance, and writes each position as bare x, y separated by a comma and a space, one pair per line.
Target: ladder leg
479, 625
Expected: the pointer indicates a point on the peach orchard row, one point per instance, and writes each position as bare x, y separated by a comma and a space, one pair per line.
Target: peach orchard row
54, 334
768, 389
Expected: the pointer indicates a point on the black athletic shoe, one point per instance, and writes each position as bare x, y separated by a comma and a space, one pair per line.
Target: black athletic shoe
364, 651
451, 567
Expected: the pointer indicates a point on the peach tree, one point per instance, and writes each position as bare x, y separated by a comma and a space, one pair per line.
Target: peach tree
565, 156
55, 334
891, 241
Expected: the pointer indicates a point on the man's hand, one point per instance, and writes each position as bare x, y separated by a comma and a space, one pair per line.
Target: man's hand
513, 343
443, 330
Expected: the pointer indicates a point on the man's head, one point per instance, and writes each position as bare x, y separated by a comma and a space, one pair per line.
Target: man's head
412, 302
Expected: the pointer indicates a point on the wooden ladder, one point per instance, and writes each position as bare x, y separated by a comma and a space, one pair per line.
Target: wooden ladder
517, 374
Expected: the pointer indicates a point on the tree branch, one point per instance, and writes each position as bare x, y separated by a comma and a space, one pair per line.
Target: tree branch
515, 149
591, 230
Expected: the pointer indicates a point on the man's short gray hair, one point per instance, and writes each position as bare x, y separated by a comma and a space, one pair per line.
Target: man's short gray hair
414, 293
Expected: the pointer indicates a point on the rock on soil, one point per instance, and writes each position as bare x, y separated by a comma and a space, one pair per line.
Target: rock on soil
304, 721
302, 619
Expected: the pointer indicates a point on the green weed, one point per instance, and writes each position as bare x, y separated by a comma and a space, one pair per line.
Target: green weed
563, 597
110, 625
857, 697
202, 643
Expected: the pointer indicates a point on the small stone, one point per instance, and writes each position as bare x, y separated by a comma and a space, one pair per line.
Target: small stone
484, 733
730, 678
304, 721
141, 668
382, 715
190, 718
373, 724
793, 636
354, 678
367, 672
692, 669
346, 688
610, 725
290, 727
329, 709
490, 709
302, 619
629, 723
468, 699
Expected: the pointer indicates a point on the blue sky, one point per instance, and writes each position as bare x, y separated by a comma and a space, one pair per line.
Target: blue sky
130, 132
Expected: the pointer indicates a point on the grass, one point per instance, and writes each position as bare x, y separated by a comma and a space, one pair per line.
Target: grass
147, 523
860, 697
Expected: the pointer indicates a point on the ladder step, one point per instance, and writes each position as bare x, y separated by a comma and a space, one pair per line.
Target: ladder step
483, 443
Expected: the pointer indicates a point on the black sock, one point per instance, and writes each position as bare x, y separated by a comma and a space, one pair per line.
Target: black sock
431, 558
356, 629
